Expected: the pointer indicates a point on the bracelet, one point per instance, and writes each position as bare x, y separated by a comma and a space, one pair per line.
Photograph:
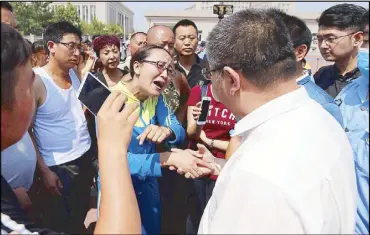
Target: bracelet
212, 142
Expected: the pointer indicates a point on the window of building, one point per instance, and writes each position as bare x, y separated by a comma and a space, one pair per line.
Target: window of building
79, 10
120, 19
84, 12
126, 28
92, 12
113, 15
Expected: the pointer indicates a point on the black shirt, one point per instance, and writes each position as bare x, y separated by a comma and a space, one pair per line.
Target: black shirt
195, 76
11, 207
330, 79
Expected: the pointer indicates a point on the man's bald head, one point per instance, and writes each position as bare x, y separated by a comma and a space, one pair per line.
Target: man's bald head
137, 40
162, 36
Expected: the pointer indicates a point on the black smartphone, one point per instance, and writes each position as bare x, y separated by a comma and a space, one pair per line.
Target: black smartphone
92, 93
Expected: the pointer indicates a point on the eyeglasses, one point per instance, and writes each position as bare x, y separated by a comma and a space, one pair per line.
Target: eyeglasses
72, 46
161, 66
207, 74
331, 40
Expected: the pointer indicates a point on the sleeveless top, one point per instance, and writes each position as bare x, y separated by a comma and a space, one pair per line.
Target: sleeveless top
60, 125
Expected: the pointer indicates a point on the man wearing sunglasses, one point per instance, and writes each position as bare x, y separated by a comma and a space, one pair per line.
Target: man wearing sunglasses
339, 38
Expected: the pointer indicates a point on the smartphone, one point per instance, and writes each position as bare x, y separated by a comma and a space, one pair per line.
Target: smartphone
206, 101
92, 93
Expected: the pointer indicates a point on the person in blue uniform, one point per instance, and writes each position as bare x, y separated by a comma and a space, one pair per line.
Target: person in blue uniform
354, 104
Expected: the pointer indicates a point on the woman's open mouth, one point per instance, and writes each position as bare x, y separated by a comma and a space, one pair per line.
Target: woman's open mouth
159, 84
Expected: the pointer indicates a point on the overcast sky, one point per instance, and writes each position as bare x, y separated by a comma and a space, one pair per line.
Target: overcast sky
140, 23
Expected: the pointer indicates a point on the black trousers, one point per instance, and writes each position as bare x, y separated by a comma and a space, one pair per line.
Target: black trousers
172, 190
199, 191
66, 213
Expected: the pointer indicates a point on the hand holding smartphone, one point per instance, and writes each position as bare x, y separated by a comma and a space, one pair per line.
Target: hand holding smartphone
206, 101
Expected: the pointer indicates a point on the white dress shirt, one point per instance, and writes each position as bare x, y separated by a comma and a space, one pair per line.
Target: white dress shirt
293, 173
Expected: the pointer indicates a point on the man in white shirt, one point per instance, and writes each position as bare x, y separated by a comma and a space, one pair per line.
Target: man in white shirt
293, 172
60, 131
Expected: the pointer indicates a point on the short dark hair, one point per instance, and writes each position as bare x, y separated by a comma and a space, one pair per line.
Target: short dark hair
87, 42
29, 42
365, 20
104, 40
137, 33
141, 54
298, 30
37, 46
55, 32
342, 16
257, 42
6, 5
15, 51
184, 22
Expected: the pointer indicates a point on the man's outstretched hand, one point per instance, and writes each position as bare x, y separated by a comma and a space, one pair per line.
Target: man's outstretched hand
204, 154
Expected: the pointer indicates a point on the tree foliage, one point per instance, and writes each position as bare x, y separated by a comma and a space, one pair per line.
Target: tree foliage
115, 29
32, 17
98, 28
66, 13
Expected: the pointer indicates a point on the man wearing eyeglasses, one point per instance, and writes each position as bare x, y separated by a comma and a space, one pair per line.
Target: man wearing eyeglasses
285, 177
339, 38
354, 104
64, 158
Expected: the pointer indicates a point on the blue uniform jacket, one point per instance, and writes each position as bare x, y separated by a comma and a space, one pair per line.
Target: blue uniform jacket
144, 161
354, 105
321, 97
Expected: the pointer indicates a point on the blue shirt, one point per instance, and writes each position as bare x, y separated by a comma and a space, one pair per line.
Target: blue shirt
354, 104
321, 97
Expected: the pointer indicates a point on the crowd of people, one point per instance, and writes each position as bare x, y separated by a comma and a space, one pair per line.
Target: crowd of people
282, 150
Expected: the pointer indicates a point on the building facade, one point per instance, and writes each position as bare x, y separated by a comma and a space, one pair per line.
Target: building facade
202, 15
106, 12
240, 5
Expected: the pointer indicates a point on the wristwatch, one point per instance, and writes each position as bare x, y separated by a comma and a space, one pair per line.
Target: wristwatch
212, 142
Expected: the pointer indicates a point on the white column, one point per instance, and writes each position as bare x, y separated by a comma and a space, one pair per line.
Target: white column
124, 27
88, 14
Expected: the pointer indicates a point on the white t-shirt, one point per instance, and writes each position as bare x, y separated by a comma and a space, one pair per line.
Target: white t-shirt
293, 173
60, 125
